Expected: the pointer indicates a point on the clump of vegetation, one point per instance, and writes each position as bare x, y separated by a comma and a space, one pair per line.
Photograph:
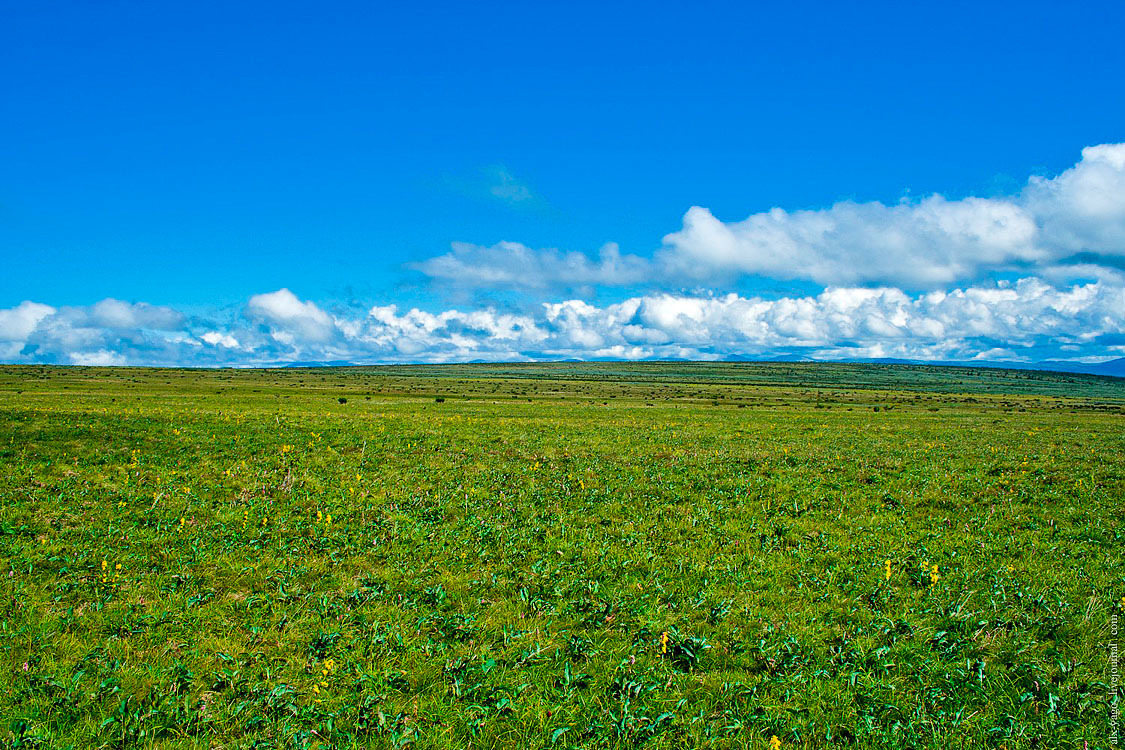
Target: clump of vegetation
567, 556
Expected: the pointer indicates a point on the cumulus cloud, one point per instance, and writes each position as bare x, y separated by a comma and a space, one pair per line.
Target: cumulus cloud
290, 320
848, 322
97, 334
448, 336
100, 358
115, 314
925, 244
1082, 211
217, 338
1074, 219
1030, 319
17, 323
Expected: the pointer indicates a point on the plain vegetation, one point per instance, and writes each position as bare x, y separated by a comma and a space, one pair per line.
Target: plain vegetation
559, 556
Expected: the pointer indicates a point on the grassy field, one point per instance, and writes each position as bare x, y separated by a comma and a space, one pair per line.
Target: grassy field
559, 556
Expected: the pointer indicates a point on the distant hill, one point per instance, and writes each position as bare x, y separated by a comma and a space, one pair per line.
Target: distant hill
1113, 368
647, 378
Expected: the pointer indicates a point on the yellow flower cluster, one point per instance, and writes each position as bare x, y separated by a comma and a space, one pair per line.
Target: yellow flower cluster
932, 570
326, 670
116, 573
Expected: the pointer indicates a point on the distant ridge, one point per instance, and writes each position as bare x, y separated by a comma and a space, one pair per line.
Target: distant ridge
1114, 368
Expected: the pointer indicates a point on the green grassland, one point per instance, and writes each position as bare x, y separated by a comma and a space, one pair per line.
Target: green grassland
559, 556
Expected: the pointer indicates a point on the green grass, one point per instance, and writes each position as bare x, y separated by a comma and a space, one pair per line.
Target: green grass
573, 555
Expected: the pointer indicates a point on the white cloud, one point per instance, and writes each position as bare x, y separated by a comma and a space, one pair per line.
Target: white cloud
449, 335
17, 323
100, 358
291, 321
98, 334
1083, 209
112, 313
925, 244
1029, 319
515, 266
1074, 221
216, 338
844, 322
16, 326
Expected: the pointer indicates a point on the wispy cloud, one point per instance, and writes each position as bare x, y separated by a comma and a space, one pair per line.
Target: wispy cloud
511, 265
505, 186
493, 183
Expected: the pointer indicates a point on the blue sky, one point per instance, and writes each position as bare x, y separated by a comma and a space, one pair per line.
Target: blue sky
250, 183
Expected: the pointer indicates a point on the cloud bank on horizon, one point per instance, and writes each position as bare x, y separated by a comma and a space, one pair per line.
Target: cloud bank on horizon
1038, 275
